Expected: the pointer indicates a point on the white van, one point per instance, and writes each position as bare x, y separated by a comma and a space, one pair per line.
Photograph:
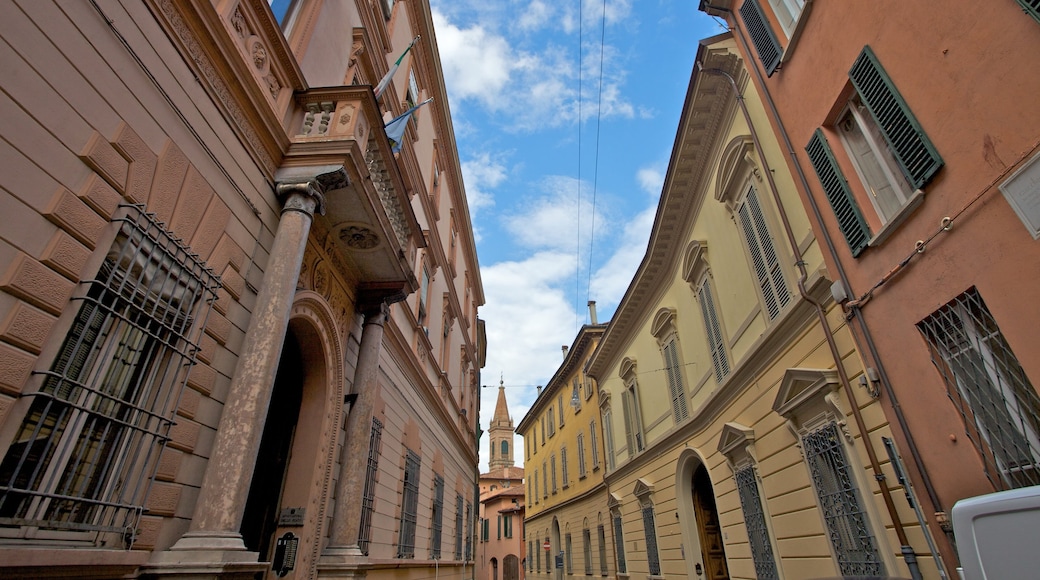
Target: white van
998, 535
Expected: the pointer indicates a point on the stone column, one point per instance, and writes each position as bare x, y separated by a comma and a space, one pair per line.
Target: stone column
219, 509
346, 519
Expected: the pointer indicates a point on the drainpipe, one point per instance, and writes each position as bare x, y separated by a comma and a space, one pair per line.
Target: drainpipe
908, 552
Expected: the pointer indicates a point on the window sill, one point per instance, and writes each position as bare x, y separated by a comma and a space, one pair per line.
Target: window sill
893, 224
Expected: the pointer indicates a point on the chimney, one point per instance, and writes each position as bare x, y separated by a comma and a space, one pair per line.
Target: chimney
592, 311
564, 348
539, 387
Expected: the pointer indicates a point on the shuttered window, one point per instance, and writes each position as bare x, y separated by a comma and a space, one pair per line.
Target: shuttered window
763, 255
850, 220
719, 358
916, 155
1031, 7
762, 36
675, 382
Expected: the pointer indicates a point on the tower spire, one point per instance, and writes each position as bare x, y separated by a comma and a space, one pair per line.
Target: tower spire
501, 432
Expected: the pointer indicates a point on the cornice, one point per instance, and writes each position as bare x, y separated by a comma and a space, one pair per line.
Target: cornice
551, 510
709, 103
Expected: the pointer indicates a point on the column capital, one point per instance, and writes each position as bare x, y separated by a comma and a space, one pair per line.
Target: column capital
311, 184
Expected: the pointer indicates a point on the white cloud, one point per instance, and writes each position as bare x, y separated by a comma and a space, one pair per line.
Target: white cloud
651, 180
611, 280
482, 173
535, 16
551, 221
529, 90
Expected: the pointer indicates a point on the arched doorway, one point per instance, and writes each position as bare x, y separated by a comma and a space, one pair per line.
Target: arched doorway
265, 490
709, 531
293, 467
511, 567
494, 568
556, 559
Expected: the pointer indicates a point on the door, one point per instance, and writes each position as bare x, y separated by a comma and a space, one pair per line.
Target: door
713, 551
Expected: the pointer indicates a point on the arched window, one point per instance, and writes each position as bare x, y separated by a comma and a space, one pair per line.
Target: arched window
505, 449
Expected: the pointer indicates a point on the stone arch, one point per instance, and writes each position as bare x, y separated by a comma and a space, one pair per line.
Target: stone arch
687, 464
314, 325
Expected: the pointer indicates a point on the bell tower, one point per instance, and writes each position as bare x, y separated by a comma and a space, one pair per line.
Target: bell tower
500, 433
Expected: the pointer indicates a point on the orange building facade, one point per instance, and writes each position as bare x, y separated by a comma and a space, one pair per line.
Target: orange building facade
913, 136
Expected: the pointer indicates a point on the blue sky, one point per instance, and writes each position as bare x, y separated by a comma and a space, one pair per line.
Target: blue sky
561, 207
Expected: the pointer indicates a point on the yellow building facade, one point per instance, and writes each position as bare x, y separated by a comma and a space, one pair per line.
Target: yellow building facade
736, 428
566, 523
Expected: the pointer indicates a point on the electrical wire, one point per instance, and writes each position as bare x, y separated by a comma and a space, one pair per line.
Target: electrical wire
595, 170
577, 229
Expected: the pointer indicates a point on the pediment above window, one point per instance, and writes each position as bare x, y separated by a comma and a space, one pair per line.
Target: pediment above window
695, 261
809, 397
627, 370
613, 501
736, 164
663, 324
642, 489
736, 443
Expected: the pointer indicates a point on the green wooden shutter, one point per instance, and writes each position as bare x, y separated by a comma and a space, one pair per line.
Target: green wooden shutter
915, 153
850, 220
762, 36
1031, 7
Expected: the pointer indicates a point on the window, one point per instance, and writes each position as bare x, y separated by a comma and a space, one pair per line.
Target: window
650, 533
563, 467
675, 382
88, 447
368, 496
537, 556
424, 291
764, 259
545, 479
458, 526
505, 449
543, 431
413, 91
619, 541
567, 552
847, 524
575, 396
593, 445
581, 455
716, 343
890, 151
409, 505
601, 534
552, 421
388, 8
986, 383
559, 405
633, 419
762, 36
498, 528
469, 531
787, 12
608, 435
507, 525
887, 187
1031, 7
755, 521
535, 481
586, 540
552, 462
436, 518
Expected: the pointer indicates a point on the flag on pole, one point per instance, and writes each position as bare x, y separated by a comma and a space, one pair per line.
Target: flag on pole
390, 73
395, 128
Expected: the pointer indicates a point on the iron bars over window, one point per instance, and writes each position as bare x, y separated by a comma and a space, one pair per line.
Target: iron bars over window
87, 450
